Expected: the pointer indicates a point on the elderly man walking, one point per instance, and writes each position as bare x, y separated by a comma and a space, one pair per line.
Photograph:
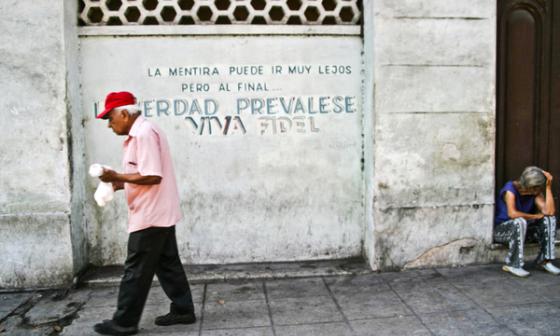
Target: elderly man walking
153, 210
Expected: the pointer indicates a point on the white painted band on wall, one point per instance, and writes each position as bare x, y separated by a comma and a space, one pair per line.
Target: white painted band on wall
224, 30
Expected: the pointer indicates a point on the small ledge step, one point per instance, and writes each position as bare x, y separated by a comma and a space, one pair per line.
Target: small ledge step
111, 275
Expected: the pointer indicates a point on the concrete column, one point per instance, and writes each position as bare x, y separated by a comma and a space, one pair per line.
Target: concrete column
37, 50
368, 127
76, 136
434, 131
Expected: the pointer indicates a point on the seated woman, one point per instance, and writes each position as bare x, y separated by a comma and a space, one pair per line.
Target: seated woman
527, 205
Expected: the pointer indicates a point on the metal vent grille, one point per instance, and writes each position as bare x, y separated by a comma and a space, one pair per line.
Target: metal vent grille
199, 12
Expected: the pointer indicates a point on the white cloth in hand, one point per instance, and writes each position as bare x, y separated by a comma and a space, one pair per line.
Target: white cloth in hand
104, 192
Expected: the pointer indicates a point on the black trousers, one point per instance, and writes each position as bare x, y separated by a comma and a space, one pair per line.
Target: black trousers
151, 251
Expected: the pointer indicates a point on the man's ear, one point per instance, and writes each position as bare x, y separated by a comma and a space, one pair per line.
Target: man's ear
124, 114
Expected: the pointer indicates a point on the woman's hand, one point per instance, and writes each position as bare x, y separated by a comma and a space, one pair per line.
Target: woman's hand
548, 178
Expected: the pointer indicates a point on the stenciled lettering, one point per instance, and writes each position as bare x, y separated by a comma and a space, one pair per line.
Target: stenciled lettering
296, 105
228, 125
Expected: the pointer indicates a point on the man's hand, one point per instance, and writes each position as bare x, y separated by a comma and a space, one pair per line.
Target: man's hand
117, 185
548, 178
109, 175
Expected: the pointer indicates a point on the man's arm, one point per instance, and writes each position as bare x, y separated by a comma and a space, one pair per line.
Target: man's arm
545, 203
512, 211
116, 178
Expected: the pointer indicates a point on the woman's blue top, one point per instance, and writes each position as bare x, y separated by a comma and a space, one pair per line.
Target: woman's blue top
522, 203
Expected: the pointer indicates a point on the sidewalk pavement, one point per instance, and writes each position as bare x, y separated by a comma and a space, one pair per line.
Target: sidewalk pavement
473, 300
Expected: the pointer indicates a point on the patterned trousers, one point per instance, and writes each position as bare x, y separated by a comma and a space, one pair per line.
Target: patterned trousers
514, 232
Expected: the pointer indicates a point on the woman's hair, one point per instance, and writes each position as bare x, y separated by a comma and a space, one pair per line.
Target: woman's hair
532, 177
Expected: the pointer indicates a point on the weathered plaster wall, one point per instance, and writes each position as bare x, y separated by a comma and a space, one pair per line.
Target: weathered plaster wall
247, 197
428, 138
434, 125
35, 245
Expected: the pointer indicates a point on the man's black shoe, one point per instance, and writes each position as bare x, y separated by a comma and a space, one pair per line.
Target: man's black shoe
175, 318
108, 327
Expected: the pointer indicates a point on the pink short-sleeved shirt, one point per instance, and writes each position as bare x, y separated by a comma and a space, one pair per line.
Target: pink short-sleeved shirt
146, 152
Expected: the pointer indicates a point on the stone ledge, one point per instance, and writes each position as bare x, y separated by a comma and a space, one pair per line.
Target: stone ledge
111, 275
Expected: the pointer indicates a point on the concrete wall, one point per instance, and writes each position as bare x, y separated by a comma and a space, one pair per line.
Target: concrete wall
252, 195
423, 195
434, 130
35, 197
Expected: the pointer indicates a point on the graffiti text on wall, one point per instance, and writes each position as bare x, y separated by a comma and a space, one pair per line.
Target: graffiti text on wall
220, 100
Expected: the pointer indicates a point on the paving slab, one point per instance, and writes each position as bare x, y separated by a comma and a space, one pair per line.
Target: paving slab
472, 275
475, 322
555, 303
296, 288
504, 293
260, 331
10, 301
107, 296
366, 297
380, 304
474, 300
394, 326
151, 311
430, 296
541, 283
157, 295
103, 302
489, 286
85, 320
530, 319
236, 291
550, 293
407, 276
103, 297
14, 326
538, 278
236, 314
356, 284
305, 310
83, 324
162, 332
10, 323
54, 308
489, 274
321, 329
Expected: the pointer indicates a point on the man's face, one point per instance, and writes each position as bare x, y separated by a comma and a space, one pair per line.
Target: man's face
118, 121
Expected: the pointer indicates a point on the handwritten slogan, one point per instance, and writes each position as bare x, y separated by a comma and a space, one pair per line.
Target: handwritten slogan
261, 94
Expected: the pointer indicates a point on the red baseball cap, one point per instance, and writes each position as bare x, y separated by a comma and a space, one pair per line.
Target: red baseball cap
116, 99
